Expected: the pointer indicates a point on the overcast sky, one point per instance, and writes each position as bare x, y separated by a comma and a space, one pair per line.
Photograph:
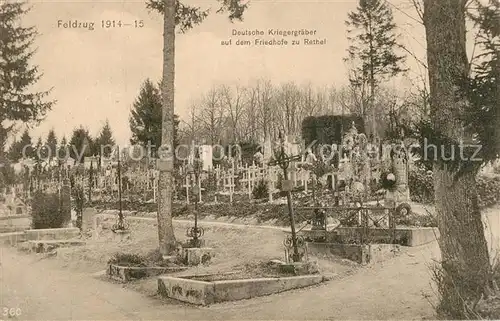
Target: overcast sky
96, 74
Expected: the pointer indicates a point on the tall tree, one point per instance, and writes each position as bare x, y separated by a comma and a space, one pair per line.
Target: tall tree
18, 103
175, 13
22, 148
458, 120
40, 150
52, 144
373, 37
146, 117
105, 141
80, 144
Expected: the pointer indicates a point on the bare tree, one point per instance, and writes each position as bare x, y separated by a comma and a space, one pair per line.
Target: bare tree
265, 111
211, 115
250, 123
234, 105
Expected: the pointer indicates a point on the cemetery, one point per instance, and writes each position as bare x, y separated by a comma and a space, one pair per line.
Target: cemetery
291, 218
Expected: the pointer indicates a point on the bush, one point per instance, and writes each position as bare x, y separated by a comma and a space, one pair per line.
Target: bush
127, 259
422, 188
47, 211
261, 190
421, 185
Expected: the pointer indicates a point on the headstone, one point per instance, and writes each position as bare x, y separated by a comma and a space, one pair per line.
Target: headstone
88, 218
268, 152
206, 154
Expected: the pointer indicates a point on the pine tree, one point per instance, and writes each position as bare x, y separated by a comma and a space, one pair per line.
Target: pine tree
146, 118
51, 144
105, 142
371, 30
80, 144
22, 148
40, 150
17, 73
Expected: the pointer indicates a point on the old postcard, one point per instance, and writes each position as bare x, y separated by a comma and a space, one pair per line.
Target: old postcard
249, 159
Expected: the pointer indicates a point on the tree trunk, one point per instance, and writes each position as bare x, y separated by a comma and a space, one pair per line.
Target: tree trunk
166, 235
465, 272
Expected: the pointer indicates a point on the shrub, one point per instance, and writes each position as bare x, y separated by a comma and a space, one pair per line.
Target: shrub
422, 188
261, 190
47, 211
127, 259
421, 185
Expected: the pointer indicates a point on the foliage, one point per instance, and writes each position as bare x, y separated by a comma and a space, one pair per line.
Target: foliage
80, 144
421, 185
248, 149
188, 17
371, 30
47, 211
422, 188
7, 174
104, 142
481, 114
51, 144
482, 89
261, 190
146, 118
319, 168
386, 183
127, 259
328, 129
17, 72
21, 148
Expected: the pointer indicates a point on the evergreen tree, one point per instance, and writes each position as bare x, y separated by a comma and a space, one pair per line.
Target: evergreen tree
372, 33
80, 144
22, 148
40, 150
146, 118
17, 72
52, 144
105, 141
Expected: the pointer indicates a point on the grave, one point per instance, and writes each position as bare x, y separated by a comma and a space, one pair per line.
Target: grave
12, 238
128, 273
360, 253
45, 246
52, 234
210, 289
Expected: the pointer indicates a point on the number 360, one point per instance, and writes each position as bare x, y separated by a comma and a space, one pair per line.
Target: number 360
12, 312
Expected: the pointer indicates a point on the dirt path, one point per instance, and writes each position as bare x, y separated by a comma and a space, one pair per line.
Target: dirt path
392, 290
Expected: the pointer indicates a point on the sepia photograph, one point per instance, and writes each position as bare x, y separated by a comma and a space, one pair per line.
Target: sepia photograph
249, 160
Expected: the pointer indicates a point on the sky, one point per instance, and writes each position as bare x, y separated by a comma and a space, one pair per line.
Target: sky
97, 74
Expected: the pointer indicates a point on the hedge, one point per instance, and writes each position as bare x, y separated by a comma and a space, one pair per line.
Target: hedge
422, 188
327, 129
49, 211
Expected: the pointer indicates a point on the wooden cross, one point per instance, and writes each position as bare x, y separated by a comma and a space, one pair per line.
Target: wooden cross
283, 161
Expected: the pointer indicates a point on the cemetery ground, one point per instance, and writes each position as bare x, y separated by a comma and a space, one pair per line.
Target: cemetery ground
65, 287
67, 284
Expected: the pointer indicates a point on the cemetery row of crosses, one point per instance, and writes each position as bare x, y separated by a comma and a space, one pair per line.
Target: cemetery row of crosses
365, 184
